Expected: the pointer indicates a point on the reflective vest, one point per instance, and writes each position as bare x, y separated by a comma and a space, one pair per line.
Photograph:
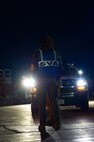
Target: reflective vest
48, 64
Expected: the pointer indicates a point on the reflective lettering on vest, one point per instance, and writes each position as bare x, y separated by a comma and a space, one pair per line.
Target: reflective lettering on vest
48, 63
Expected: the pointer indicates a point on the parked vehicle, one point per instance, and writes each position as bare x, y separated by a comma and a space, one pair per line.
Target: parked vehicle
74, 88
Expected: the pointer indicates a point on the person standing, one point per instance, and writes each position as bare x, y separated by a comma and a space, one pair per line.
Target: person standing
47, 67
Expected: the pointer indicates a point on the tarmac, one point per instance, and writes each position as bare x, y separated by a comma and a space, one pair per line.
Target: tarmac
17, 125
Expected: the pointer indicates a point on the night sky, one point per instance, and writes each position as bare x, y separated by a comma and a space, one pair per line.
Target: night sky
70, 23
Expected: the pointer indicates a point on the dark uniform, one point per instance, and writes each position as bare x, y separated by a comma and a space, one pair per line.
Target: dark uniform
47, 68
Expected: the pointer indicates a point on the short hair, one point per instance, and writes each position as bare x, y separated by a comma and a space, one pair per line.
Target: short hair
47, 42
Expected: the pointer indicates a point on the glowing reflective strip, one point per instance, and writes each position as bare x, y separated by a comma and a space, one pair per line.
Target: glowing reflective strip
41, 55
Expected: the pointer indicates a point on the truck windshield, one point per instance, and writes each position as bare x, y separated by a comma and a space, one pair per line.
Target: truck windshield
70, 71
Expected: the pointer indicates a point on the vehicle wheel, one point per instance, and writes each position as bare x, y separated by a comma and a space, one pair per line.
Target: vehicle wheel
34, 105
84, 104
34, 108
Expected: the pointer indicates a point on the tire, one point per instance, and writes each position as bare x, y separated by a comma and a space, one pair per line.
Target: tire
34, 105
84, 105
82, 101
34, 109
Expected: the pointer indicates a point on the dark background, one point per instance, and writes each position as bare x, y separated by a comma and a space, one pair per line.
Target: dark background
70, 23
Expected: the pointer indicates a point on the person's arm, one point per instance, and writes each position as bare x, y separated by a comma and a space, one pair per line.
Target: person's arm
33, 66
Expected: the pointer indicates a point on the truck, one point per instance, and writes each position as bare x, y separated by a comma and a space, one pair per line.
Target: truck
73, 88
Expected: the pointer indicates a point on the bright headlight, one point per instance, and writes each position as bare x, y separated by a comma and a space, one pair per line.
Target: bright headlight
29, 82
81, 83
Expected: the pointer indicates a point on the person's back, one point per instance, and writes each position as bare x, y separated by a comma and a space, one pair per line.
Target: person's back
47, 60
47, 67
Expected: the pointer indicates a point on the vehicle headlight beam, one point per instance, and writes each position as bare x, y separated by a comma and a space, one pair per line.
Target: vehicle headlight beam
29, 82
81, 83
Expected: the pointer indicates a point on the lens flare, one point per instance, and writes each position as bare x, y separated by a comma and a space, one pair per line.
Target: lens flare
29, 82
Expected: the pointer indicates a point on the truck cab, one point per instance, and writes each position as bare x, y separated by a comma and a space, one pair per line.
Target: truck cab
73, 88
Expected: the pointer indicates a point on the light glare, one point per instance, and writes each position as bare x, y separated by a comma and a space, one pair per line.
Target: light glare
81, 82
29, 82
80, 72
